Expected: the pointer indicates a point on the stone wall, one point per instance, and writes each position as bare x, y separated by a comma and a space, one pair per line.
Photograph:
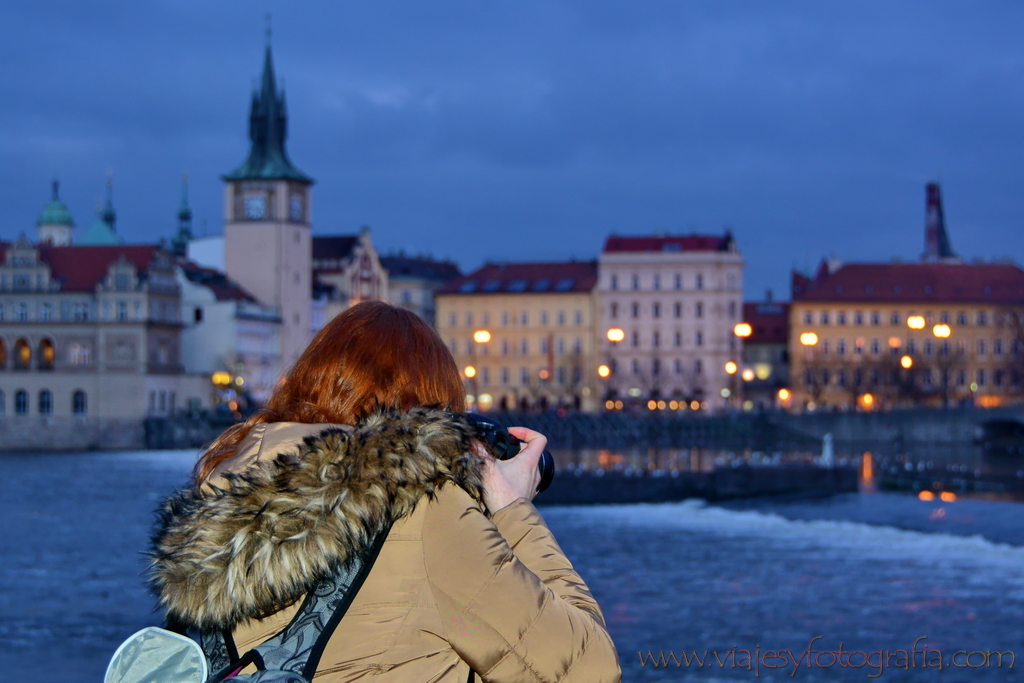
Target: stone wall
28, 434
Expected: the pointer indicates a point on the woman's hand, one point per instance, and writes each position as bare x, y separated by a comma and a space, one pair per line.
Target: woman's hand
508, 480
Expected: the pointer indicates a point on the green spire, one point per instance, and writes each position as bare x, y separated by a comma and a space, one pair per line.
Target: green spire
179, 245
55, 213
268, 130
102, 231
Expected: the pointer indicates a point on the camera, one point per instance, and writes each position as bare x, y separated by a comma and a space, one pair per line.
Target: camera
505, 446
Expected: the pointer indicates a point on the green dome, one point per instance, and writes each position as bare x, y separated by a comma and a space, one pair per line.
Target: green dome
55, 212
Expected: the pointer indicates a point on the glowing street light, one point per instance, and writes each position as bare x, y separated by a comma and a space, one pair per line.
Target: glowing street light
916, 322
784, 394
808, 339
867, 400
616, 334
748, 375
907, 362
604, 371
941, 331
481, 336
895, 342
470, 371
730, 368
743, 330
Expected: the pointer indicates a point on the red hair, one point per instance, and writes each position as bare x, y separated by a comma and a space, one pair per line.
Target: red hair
372, 357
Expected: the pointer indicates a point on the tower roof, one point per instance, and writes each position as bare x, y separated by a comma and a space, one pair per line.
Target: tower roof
268, 130
55, 213
102, 232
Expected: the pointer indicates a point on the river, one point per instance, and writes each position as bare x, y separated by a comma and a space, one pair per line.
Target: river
871, 571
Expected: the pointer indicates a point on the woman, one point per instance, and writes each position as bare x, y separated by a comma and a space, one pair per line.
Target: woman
469, 577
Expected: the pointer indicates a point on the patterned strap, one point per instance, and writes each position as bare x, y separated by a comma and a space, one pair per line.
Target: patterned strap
299, 646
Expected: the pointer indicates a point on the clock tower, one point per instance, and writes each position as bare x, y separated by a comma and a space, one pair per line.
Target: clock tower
267, 243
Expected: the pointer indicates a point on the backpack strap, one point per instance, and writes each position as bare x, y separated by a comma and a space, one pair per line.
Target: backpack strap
300, 645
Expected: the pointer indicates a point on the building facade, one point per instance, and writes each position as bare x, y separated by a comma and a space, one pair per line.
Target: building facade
523, 334
868, 335
413, 281
673, 302
346, 270
229, 335
267, 218
765, 368
90, 336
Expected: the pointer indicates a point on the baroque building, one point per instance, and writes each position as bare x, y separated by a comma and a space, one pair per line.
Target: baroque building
90, 333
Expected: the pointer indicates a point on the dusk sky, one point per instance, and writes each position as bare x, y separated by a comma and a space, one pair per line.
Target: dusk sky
533, 130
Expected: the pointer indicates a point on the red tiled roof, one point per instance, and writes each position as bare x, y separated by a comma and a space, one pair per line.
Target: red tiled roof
668, 243
915, 282
223, 288
769, 321
81, 268
531, 278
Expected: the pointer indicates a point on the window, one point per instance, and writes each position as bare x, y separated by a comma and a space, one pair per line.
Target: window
22, 313
840, 318
981, 378
698, 367
981, 347
636, 367
944, 318
561, 377
679, 339
543, 317
613, 310
504, 347
894, 319
635, 309
636, 282
544, 345
961, 378
560, 346
824, 317
656, 367
961, 319
699, 338
997, 347
678, 367
656, 309
79, 405
577, 344
21, 402
732, 309
561, 317
22, 355
504, 319
636, 338
808, 319
657, 282
45, 402
858, 318
122, 311
678, 281
698, 310
927, 347
524, 376
876, 347
504, 376
524, 346
876, 319
45, 313
577, 317
677, 310
524, 318
485, 377
452, 320
700, 281
197, 314
469, 319
982, 321
655, 339
997, 378
841, 347
615, 282
46, 354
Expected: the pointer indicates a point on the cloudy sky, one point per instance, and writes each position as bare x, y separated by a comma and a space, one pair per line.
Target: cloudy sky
532, 130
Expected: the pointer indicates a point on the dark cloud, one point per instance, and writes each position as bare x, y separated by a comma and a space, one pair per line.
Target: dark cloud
532, 130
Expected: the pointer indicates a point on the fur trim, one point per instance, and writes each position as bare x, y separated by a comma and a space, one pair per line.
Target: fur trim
282, 526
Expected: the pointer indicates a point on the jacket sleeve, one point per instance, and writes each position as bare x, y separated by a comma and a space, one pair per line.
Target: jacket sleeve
511, 603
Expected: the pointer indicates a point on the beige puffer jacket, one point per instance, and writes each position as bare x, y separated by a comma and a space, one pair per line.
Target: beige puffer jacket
451, 588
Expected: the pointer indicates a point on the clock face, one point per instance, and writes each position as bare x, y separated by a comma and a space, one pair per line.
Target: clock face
295, 208
256, 207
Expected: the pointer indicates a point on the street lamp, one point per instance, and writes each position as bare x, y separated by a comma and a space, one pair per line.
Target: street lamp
730, 368
616, 334
743, 330
604, 371
809, 339
941, 331
916, 322
481, 336
907, 362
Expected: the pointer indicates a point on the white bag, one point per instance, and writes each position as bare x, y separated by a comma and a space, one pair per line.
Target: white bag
154, 655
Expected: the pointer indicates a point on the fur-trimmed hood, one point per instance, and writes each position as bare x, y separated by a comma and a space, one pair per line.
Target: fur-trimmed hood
271, 533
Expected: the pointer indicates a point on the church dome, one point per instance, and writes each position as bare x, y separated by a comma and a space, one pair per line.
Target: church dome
55, 213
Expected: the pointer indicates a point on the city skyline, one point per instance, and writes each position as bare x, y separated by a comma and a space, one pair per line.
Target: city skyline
478, 134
